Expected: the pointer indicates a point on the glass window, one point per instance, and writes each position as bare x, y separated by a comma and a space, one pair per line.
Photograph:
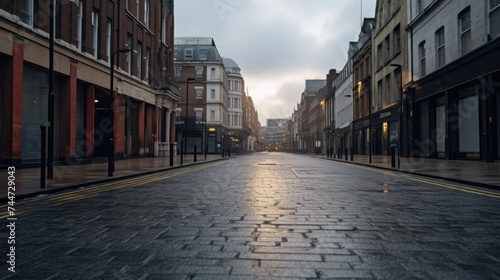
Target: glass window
440, 50
203, 54
468, 124
199, 93
146, 13
397, 39
465, 31
148, 55
95, 32
494, 18
178, 71
212, 115
139, 60
27, 12
79, 24
388, 54
129, 61
164, 27
212, 93
199, 71
420, 6
137, 8
108, 40
421, 56
188, 54
199, 115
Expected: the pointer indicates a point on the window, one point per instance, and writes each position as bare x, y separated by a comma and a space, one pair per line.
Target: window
212, 73
380, 94
440, 51
465, 31
139, 60
95, 31
494, 18
188, 54
199, 93
380, 55
146, 13
137, 8
148, 55
203, 54
397, 39
389, 94
420, 6
212, 115
199, 71
27, 12
129, 61
108, 40
178, 71
79, 24
199, 115
421, 57
212, 93
164, 27
388, 54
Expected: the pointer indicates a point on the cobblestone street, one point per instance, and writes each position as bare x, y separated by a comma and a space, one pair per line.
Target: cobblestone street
262, 216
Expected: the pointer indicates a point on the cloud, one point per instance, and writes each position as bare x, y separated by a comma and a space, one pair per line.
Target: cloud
278, 44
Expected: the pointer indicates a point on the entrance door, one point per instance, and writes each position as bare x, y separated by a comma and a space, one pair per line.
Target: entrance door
102, 132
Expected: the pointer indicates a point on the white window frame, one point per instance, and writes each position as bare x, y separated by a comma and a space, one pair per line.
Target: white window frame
494, 9
198, 114
79, 24
129, 60
440, 48
188, 54
148, 56
212, 93
422, 58
146, 13
27, 12
198, 92
199, 71
164, 26
139, 60
95, 33
203, 54
108, 39
212, 115
465, 33
178, 71
137, 8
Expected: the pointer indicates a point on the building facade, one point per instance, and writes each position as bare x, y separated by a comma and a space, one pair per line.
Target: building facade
389, 49
135, 109
454, 86
343, 109
362, 64
202, 113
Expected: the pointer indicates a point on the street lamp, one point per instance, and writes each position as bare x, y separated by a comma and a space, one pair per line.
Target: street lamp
186, 113
398, 66
111, 152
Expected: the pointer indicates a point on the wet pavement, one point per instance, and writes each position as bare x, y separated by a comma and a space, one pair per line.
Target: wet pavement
262, 216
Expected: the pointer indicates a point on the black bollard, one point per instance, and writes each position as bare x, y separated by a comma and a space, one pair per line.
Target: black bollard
111, 157
346, 153
43, 129
171, 154
182, 146
393, 156
195, 153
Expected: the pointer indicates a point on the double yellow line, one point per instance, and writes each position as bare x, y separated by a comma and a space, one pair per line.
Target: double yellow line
95, 190
477, 191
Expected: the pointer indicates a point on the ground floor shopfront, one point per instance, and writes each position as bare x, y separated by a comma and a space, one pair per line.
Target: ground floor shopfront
86, 115
453, 112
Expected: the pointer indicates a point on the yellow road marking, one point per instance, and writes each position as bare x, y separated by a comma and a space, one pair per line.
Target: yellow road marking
95, 190
396, 173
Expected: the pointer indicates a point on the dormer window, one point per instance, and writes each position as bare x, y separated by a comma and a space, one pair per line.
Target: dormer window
188, 54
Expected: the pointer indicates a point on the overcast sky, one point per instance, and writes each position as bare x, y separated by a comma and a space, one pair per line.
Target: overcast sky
278, 44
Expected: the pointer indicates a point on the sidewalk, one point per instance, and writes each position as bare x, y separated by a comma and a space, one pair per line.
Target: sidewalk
476, 173
27, 180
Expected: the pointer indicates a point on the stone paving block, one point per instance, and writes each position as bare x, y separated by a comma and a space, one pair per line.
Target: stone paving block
192, 269
291, 250
343, 274
304, 264
278, 272
290, 257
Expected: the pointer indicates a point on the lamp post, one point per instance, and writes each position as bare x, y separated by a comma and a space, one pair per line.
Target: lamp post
398, 66
186, 114
111, 152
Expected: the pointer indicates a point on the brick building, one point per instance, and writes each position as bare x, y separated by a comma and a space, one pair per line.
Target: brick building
138, 114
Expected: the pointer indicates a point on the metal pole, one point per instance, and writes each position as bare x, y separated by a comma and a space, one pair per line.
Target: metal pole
182, 144
111, 147
50, 158
195, 153
43, 155
171, 154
